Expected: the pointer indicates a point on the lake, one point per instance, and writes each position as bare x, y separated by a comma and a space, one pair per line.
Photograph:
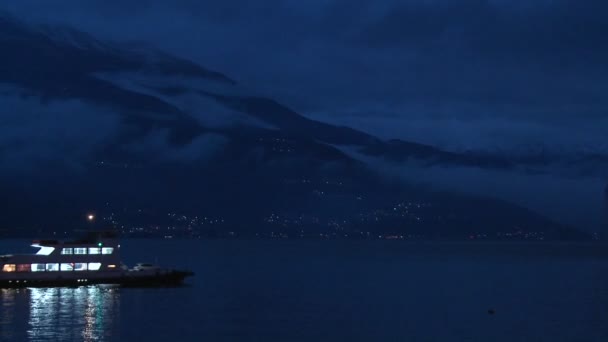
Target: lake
293, 290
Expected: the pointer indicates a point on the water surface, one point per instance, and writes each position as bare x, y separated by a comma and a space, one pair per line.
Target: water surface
331, 291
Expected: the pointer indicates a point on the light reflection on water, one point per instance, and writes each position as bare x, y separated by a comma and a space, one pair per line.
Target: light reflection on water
59, 314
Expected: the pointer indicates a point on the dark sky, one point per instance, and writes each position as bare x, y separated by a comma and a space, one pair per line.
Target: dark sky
469, 73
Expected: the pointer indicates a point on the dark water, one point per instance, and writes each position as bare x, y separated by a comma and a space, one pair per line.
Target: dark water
331, 291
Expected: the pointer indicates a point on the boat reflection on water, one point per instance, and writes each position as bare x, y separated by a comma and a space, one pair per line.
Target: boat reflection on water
59, 314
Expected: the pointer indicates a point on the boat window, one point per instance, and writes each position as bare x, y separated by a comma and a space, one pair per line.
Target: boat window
52, 267
80, 251
9, 268
38, 267
24, 268
67, 267
107, 250
66, 251
94, 266
94, 250
80, 267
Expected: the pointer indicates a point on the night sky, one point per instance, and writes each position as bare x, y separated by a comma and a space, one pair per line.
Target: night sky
470, 75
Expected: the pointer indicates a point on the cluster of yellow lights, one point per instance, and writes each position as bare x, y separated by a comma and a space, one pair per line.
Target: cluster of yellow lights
9, 268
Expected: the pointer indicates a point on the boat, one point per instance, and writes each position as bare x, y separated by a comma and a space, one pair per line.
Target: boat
94, 259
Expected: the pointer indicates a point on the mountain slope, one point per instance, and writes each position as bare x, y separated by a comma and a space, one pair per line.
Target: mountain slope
190, 139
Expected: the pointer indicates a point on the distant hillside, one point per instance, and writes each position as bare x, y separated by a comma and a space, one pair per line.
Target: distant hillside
100, 127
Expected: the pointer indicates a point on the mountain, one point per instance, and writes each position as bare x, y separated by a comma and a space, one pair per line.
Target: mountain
159, 145
568, 160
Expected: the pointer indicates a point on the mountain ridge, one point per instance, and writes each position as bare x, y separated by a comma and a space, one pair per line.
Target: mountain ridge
169, 156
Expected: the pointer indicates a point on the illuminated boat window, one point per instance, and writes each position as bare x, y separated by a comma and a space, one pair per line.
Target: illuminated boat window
38, 268
111, 266
80, 267
9, 268
107, 250
67, 251
80, 251
52, 267
94, 250
67, 267
94, 266
24, 268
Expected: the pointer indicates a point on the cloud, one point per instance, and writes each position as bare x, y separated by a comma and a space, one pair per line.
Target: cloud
575, 201
34, 133
73, 134
187, 95
484, 133
156, 147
